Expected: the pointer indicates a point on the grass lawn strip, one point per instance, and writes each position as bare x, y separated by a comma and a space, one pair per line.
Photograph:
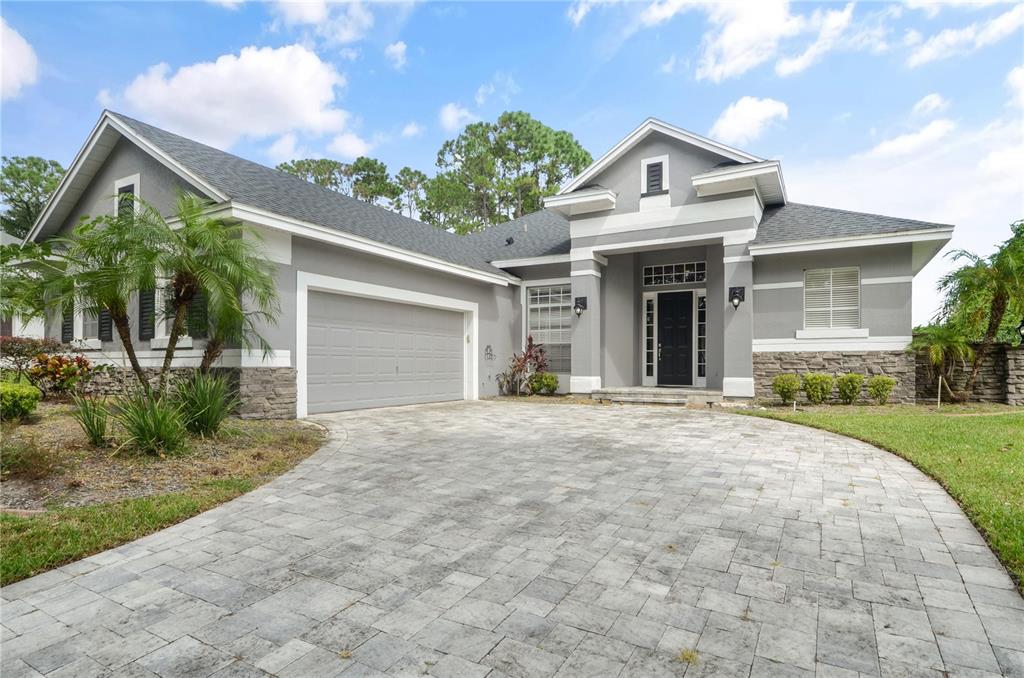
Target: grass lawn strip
975, 453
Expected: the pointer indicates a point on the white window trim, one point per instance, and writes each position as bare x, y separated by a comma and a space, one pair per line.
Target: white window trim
135, 181
80, 341
653, 381
307, 282
663, 159
161, 323
524, 305
848, 331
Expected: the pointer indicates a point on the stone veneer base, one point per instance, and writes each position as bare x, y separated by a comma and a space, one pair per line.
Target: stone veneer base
896, 364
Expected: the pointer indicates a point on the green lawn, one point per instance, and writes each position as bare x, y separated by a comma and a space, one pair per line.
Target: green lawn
975, 452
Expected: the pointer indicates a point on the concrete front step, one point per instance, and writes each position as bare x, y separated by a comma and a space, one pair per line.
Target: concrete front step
661, 396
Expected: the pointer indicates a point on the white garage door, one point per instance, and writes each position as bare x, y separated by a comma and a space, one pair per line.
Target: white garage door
371, 353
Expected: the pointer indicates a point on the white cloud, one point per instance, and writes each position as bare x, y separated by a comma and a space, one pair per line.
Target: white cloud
502, 85
337, 22
20, 64
746, 119
932, 7
971, 179
395, 53
953, 41
227, 4
661, 11
578, 10
412, 129
454, 117
1015, 81
744, 35
349, 146
913, 142
912, 37
257, 93
931, 103
348, 53
831, 26
669, 66
285, 148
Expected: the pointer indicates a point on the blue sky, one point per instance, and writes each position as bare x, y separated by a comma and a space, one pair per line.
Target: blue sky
913, 110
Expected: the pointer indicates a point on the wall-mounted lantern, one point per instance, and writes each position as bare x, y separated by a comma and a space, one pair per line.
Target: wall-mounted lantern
736, 296
579, 306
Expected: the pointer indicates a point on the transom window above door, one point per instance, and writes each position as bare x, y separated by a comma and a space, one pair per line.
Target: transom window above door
675, 274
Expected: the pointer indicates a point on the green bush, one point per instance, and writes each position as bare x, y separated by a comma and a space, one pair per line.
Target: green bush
18, 400
818, 387
153, 425
205, 402
91, 414
849, 386
880, 388
543, 382
27, 458
786, 386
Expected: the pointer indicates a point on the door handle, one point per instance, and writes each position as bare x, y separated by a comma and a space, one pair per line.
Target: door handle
659, 350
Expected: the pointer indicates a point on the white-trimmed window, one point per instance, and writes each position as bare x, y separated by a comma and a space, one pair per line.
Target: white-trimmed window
549, 322
90, 325
832, 298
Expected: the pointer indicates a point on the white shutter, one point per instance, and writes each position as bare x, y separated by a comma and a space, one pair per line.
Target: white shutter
832, 298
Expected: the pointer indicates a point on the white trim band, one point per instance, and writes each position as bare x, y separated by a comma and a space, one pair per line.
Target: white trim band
738, 387
596, 274
584, 384
887, 281
785, 345
931, 234
793, 284
741, 259
532, 261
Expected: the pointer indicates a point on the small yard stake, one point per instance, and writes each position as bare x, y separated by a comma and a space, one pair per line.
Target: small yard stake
938, 400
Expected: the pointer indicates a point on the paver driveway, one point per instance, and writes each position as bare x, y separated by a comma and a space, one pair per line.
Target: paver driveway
535, 540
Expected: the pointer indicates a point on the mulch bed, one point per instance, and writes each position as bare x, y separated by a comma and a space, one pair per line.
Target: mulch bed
86, 475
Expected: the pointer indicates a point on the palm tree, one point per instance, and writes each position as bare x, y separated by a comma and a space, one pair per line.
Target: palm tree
212, 257
230, 327
945, 346
980, 293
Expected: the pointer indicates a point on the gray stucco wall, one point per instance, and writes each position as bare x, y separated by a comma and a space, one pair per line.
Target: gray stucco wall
620, 331
885, 308
158, 186
498, 306
623, 176
712, 229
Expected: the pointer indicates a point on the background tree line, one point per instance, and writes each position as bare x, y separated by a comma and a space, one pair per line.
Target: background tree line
488, 174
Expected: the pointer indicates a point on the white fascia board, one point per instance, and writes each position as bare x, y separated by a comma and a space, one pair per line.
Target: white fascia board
695, 213
581, 202
532, 261
647, 127
766, 171
932, 234
109, 121
305, 229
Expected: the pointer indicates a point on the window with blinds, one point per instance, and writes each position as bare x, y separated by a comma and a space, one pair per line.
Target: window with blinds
832, 298
549, 313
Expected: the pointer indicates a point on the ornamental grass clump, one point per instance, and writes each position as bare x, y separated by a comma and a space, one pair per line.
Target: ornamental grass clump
92, 415
818, 387
205, 401
152, 425
849, 386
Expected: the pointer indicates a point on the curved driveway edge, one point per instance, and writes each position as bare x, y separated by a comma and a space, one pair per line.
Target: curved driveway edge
512, 539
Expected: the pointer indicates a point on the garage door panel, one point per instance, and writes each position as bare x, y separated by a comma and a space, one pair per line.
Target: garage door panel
371, 353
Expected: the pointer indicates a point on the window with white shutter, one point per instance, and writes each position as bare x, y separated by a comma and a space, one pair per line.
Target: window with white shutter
832, 298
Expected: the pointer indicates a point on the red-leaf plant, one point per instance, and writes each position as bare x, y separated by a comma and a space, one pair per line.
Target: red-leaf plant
521, 365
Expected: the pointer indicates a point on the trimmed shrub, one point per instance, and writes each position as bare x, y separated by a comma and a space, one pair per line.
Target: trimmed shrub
92, 414
786, 386
205, 401
818, 387
849, 386
880, 388
18, 400
543, 382
153, 425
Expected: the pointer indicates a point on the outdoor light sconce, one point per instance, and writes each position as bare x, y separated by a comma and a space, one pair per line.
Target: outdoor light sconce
736, 295
1020, 331
580, 306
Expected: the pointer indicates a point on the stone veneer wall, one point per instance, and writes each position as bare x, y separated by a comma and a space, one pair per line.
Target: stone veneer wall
265, 392
1000, 378
896, 364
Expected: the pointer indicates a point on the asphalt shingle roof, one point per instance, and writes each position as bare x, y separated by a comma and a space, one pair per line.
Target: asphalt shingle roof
535, 235
796, 222
252, 184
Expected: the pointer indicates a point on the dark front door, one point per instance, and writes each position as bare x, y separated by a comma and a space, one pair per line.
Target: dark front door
675, 338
